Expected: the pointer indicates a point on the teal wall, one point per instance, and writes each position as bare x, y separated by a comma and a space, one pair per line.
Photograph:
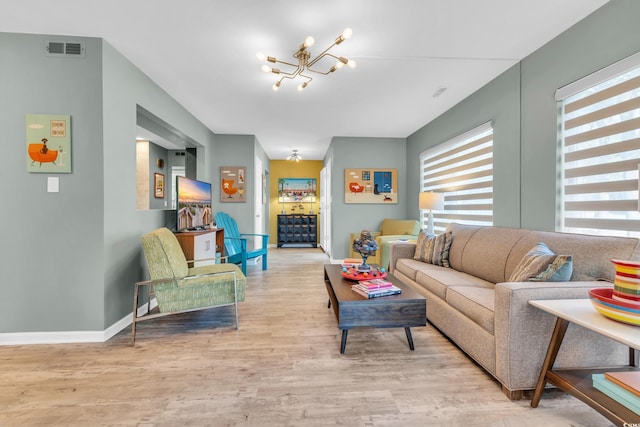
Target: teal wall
238, 150
608, 35
353, 153
52, 260
72, 257
524, 112
499, 102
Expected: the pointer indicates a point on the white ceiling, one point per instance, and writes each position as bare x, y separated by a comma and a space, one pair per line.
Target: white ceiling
202, 52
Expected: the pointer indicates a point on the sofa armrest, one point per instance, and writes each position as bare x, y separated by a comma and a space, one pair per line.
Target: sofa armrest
400, 250
384, 246
523, 332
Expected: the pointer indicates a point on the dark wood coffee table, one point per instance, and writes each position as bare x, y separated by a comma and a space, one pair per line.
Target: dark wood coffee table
353, 310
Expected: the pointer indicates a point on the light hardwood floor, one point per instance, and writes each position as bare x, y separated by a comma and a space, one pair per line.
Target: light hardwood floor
281, 368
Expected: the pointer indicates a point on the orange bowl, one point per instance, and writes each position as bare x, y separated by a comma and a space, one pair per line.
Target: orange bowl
603, 302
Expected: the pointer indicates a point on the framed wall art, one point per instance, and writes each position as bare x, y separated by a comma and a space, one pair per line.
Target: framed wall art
158, 185
48, 143
233, 184
370, 185
295, 190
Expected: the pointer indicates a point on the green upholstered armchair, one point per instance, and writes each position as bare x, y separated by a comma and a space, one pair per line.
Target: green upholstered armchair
390, 230
177, 287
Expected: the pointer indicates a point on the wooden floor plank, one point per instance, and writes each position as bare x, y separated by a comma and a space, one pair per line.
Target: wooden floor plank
282, 367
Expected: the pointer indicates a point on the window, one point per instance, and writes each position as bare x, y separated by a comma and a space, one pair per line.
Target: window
462, 169
600, 141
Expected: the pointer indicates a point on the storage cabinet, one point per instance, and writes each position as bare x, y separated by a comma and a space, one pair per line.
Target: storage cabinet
298, 229
201, 245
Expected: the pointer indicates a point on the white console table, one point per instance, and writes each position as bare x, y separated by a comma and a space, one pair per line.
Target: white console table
577, 382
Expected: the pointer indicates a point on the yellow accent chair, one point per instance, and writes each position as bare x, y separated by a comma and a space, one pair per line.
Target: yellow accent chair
178, 288
390, 230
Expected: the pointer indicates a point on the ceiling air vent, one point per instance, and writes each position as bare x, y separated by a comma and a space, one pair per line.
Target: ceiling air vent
66, 49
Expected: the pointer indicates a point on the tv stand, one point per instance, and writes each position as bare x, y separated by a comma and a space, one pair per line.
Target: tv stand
201, 244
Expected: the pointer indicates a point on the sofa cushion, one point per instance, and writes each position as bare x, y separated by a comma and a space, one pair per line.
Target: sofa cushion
483, 251
410, 267
438, 279
541, 264
476, 303
433, 249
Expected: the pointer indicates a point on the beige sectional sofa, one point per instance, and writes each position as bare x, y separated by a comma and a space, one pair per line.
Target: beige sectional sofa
490, 319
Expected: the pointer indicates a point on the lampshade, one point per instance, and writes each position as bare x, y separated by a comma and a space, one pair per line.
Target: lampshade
430, 200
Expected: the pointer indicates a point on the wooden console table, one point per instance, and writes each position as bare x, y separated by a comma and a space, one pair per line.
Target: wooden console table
578, 382
201, 244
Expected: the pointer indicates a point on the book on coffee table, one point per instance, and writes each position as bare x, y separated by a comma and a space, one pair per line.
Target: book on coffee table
617, 393
375, 283
630, 380
374, 293
351, 262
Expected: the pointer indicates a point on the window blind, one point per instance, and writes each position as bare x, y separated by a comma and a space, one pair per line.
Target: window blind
601, 156
462, 169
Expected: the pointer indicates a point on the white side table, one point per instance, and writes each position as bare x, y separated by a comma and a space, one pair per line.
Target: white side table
577, 382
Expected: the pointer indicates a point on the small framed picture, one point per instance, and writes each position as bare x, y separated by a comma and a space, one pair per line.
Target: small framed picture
158, 185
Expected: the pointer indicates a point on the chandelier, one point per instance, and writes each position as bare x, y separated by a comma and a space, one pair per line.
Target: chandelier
305, 63
294, 157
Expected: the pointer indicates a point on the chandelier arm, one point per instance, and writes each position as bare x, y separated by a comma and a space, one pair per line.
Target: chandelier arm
306, 77
331, 70
287, 63
320, 56
290, 76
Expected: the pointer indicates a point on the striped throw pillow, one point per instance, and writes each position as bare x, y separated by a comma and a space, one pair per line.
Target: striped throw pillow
433, 249
541, 264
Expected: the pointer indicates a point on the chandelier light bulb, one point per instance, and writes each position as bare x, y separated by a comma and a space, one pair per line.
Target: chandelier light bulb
347, 33
352, 64
309, 41
300, 88
339, 64
276, 85
261, 56
266, 68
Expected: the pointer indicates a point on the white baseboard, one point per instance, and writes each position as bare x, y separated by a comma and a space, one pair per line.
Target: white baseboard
71, 337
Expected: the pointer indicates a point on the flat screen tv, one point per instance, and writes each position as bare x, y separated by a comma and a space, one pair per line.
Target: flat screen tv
193, 204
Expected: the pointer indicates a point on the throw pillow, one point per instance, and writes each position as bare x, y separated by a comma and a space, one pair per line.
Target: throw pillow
433, 249
541, 264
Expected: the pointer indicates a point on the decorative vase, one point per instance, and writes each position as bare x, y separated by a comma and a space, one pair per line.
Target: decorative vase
626, 287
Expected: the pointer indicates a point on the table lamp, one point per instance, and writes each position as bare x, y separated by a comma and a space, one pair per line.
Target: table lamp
430, 200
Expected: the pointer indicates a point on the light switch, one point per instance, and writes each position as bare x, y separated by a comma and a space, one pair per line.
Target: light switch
53, 184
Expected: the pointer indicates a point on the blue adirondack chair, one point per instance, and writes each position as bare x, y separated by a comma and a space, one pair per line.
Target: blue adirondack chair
235, 243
